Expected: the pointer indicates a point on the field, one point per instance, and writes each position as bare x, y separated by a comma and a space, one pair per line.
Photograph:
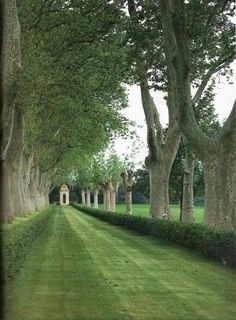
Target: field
143, 210
81, 268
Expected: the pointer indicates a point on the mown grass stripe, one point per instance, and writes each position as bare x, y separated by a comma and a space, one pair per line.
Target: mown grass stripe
81, 268
181, 276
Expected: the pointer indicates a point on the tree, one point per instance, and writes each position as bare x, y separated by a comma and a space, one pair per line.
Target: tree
217, 154
145, 36
141, 181
97, 177
10, 127
208, 122
112, 178
127, 177
161, 152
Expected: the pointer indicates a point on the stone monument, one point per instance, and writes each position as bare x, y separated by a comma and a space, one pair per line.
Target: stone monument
64, 195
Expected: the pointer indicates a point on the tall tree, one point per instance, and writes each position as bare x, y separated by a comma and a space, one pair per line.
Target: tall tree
217, 154
10, 124
145, 37
161, 151
209, 123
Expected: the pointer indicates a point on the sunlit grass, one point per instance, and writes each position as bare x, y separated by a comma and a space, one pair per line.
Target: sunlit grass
143, 210
84, 268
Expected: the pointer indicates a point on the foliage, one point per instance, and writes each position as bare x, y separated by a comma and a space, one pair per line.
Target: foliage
65, 117
113, 168
210, 34
215, 243
18, 239
141, 182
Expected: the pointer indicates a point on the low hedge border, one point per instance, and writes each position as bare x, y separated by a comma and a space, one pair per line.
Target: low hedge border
215, 243
18, 238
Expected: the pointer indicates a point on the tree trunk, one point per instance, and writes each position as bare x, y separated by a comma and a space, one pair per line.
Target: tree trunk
162, 151
12, 200
106, 199
127, 177
95, 205
83, 197
88, 198
9, 71
113, 201
188, 202
220, 186
128, 202
159, 195
113, 193
25, 167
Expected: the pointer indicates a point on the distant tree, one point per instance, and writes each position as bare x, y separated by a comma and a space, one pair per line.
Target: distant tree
141, 181
127, 177
112, 178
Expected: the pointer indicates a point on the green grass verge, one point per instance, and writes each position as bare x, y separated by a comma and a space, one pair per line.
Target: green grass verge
17, 238
142, 210
81, 268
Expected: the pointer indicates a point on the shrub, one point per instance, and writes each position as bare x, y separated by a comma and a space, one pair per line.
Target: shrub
17, 239
215, 243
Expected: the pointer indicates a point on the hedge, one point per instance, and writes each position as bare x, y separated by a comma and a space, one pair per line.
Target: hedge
215, 243
17, 239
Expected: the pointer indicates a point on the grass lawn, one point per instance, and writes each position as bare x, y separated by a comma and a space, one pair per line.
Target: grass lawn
82, 268
143, 210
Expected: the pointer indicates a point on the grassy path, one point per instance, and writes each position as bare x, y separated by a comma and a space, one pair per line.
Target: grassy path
85, 269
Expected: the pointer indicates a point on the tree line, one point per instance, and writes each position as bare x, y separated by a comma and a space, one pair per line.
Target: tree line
64, 86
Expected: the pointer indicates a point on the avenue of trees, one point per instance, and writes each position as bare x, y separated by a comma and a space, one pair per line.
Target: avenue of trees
64, 67
61, 96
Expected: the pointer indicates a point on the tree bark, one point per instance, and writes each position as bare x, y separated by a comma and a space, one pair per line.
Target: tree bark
12, 200
159, 195
9, 71
220, 186
113, 192
127, 177
106, 198
96, 192
10, 67
188, 201
88, 198
83, 197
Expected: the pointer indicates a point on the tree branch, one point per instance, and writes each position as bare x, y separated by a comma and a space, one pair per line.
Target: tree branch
214, 69
229, 126
154, 127
54, 163
178, 63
